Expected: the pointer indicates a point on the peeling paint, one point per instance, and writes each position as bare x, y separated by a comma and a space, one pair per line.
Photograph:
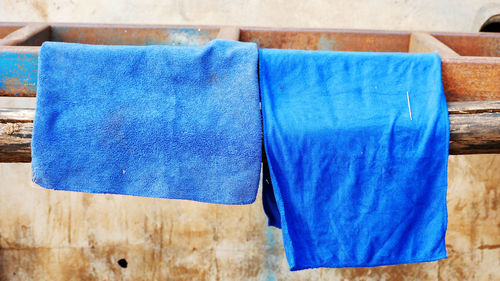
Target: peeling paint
18, 73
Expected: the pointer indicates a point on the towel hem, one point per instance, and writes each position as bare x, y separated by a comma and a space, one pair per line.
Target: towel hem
433, 259
246, 202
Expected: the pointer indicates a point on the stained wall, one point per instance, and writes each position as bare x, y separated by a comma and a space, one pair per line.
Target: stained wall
53, 235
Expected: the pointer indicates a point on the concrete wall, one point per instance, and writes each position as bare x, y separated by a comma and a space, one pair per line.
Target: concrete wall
51, 235
441, 15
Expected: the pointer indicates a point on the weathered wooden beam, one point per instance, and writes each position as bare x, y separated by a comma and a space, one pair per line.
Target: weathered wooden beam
473, 107
421, 42
229, 33
477, 133
15, 142
474, 129
33, 34
16, 115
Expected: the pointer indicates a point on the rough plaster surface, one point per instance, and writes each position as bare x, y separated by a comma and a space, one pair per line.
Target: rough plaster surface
52, 235
443, 15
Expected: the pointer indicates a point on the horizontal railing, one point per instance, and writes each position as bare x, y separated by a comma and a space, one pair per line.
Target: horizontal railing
470, 68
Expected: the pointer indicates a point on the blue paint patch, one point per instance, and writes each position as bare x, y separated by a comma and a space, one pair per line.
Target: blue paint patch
187, 37
256, 41
57, 33
325, 44
270, 263
18, 72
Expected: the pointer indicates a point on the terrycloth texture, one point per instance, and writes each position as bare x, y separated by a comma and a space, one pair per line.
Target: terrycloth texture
155, 121
358, 182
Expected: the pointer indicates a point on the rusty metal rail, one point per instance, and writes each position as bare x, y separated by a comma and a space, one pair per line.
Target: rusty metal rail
470, 68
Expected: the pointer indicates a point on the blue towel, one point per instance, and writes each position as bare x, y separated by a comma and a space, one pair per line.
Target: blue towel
268, 198
155, 121
358, 180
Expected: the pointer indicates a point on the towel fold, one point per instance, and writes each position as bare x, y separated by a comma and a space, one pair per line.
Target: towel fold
155, 121
357, 145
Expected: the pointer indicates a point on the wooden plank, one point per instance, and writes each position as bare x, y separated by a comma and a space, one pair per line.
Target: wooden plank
474, 129
17, 115
15, 142
421, 42
477, 133
471, 107
229, 33
30, 35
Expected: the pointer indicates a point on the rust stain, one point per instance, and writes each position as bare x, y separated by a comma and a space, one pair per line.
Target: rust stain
7, 29
11, 128
468, 79
133, 35
41, 8
339, 40
489, 247
473, 44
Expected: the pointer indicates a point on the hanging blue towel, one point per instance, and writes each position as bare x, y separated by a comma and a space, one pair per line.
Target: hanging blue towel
155, 121
357, 145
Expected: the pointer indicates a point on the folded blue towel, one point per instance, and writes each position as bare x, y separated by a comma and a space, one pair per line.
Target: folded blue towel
155, 121
358, 166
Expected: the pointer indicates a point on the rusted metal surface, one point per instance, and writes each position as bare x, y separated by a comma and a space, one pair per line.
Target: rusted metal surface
7, 28
229, 33
471, 78
133, 34
472, 44
333, 40
30, 35
421, 42
18, 71
464, 78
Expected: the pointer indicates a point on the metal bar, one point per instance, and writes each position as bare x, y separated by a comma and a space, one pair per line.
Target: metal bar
229, 33
464, 78
327, 39
421, 42
133, 34
30, 35
471, 44
471, 78
474, 129
18, 69
8, 27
